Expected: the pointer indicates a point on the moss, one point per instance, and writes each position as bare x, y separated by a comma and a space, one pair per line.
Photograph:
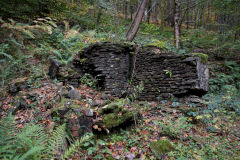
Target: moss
111, 108
64, 102
83, 60
186, 110
204, 57
112, 120
114, 115
161, 147
109, 158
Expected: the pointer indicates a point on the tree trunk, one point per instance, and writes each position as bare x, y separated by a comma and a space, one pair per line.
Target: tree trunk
177, 32
149, 12
187, 15
138, 19
99, 16
126, 10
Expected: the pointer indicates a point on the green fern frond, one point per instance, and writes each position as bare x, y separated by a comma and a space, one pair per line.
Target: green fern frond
6, 55
58, 54
32, 152
32, 142
8, 138
56, 143
74, 147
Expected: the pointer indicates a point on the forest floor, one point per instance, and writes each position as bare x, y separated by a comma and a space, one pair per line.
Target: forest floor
192, 136
209, 130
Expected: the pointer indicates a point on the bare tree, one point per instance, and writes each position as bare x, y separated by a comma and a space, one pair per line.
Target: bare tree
137, 19
177, 26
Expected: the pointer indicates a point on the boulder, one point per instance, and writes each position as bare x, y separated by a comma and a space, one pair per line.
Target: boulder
115, 116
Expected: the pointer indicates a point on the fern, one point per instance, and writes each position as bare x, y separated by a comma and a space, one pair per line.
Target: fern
56, 143
74, 147
32, 142
7, 137
6, 55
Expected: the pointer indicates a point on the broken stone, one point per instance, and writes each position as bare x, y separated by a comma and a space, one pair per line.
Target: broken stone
88, 112
85, 123
73, 94
53, 69
96, 103
20, 104
17, 85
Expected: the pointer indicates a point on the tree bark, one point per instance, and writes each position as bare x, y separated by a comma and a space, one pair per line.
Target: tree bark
138, 19
177, 32
149, 12
99, 16
126, 10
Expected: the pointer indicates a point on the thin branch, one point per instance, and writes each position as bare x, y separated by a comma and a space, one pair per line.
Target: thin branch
151, 8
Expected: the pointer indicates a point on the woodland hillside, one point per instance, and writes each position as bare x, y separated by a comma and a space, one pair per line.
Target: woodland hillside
120, 79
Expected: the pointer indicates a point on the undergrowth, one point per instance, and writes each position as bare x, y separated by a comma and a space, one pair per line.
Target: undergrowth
31, 142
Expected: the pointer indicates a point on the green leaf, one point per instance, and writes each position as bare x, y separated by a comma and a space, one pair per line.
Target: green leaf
90, 152
6, 55
101, 142
86, 144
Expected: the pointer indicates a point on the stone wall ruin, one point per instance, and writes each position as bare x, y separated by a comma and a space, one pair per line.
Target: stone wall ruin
161, 73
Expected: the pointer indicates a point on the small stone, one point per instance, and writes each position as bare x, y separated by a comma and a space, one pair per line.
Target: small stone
59, 85
96, 103
13, 88
75, 134
88, 112
73, 94
104, 96
75, 128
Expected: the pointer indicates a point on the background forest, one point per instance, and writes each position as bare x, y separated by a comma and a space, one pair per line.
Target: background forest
34, 31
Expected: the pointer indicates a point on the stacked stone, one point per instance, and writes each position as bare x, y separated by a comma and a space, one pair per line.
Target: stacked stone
165, 74
162, 74
110, 63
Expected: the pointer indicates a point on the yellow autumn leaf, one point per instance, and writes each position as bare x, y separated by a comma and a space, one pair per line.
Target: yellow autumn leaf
199, 117
208, 116
216, 127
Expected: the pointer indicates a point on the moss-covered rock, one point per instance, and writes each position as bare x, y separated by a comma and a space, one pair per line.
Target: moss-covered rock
161, 147
116, 119
204, 57
64, 107
115, 116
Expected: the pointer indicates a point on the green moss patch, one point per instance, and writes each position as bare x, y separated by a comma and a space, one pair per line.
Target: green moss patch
161, 147
113, 120
116, 116
204, 57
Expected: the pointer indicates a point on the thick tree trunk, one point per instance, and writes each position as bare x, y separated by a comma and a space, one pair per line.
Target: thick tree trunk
138, 19
177, 32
